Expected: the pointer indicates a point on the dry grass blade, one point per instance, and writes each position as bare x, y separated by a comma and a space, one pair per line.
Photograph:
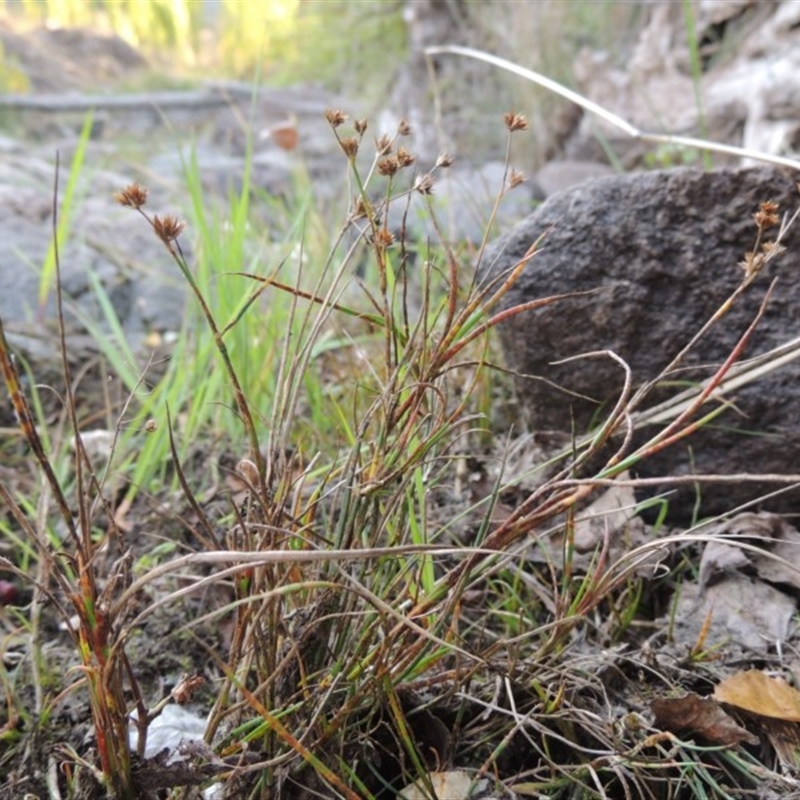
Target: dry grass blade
608, 116
741, 374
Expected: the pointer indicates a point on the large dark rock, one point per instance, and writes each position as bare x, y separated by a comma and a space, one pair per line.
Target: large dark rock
663, 251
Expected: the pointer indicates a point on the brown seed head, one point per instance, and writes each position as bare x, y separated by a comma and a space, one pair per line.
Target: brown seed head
383, 144
350, 147
767, 215
515, 178
388, 166
335, 117
424, 183
404, 158
361, 126
404, 127
384, 239
133, 196
772, 249
444, 161
168, 228
515, 122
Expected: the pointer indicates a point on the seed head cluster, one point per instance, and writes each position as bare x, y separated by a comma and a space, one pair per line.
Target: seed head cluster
168, 228
132, 196
755, 260
383, 238
424, 183
404, 158
349, 146
515, 178
336, 118
767, 215
515, 122
383, 144
391, 158
388, 166
444, 161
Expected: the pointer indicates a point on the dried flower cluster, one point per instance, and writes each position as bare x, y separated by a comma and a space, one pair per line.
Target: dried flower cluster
515, 178
383, 144
132, 196
767, 215
335, 117
391, 159
388, 166
404, 158
444, 161
383, 238
349, 146
755, 260
424, 183
168, 228
515, 122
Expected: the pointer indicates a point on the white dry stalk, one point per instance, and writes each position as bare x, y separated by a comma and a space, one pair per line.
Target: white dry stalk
740, 374
232, 561
608, 116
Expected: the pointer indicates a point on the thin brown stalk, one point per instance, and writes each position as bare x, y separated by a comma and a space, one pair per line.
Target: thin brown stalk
173, 247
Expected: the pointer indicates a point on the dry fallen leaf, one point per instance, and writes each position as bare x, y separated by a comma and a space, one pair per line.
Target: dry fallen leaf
757, 692
699, 716
742, 609
607, 515
458, 784
609, 525
744, 572
770, 704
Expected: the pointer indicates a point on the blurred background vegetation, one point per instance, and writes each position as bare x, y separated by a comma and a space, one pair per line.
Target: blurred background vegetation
285, 41
366, 50
335, 43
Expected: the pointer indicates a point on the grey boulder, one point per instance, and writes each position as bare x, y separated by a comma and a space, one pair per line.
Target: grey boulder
662, 250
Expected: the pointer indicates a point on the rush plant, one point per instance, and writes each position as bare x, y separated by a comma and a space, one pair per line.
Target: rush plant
354, 643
